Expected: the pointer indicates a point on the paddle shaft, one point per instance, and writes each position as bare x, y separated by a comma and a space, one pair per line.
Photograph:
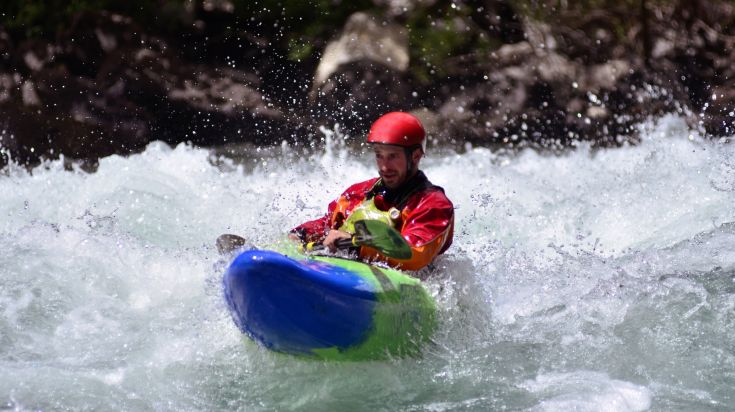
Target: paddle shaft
374, 234
340, 244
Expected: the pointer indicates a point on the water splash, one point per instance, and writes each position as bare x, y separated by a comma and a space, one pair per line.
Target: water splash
596, 278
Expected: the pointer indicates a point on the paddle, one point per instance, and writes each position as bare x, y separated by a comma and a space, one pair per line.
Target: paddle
375, 234
228, 243
372, 233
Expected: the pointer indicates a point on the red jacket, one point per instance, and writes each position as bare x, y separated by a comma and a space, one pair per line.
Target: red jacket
426, 222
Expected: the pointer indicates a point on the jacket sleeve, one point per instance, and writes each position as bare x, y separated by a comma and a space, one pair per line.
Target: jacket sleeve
338, 210
315, 230
428, 229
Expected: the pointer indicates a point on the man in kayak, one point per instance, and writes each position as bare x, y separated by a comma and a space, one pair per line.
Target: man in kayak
401, 196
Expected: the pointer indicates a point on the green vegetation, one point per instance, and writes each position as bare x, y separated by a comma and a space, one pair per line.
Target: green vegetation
439, 32
300, 26
621, 16
44, 18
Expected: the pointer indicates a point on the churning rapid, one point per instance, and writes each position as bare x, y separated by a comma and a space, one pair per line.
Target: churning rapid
595, 280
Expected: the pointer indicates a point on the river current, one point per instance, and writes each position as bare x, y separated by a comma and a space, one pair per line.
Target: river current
597, 280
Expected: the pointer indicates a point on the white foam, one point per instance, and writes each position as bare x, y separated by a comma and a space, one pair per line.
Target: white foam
583, 259
587, 391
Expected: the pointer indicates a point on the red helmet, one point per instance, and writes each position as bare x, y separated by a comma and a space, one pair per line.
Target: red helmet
397, 128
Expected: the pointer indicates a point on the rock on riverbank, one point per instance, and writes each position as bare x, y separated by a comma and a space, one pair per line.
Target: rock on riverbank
107, 85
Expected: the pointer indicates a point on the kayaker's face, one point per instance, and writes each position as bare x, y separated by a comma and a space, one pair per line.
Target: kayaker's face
392, 165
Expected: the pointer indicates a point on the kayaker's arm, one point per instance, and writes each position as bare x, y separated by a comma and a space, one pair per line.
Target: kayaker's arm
311, 231
316, 230
333, 237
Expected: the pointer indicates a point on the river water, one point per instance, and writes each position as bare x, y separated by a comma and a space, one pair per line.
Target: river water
592, 281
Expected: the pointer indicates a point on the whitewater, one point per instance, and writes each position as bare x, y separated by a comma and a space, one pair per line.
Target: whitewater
595, 280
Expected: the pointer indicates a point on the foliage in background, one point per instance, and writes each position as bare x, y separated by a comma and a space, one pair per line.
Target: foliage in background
300, 26
621, 16
44, 18
442, 32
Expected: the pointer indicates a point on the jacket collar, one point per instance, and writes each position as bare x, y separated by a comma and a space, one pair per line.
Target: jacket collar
399, 195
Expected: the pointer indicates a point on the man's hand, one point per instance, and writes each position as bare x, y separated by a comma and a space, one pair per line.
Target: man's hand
332, 237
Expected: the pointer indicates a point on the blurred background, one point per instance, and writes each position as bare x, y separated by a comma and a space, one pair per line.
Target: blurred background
89, 78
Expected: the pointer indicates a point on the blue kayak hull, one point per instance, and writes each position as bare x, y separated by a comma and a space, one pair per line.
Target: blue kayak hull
327, 307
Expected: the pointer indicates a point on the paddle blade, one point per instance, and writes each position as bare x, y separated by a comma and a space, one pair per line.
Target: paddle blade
229, 243
382, 237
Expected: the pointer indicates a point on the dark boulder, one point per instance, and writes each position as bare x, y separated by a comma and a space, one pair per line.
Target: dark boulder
362, 74
359, 92
498, 19
53, 113
705, 56
533, 94
6, 49
107, 88
192, 102
92, 36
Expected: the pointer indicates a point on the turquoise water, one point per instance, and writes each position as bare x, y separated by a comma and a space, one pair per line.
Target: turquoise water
597, 280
